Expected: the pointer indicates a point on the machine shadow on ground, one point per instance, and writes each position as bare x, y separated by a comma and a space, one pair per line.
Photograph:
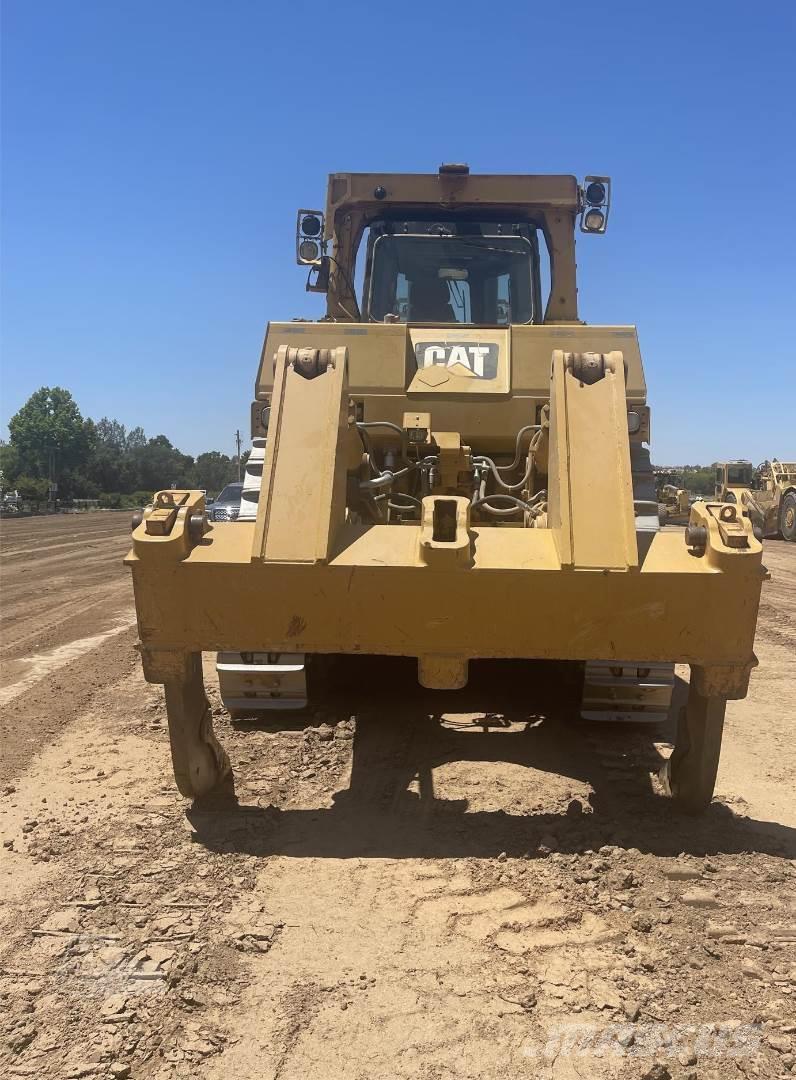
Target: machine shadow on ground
391, 808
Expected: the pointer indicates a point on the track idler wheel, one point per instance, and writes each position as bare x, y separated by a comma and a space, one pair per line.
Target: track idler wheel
689, 775
201, 766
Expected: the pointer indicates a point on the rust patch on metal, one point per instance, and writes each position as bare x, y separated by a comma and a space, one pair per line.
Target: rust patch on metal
296, 627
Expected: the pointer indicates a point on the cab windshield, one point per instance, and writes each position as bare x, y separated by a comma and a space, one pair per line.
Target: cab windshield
230, 494
480, 279
740, 475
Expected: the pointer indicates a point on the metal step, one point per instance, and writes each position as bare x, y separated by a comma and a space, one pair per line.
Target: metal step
627, 691
259, 681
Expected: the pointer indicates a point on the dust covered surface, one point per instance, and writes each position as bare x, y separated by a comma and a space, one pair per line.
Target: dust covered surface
398, 893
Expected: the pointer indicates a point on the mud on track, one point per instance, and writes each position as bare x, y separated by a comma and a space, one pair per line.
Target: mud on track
400, 893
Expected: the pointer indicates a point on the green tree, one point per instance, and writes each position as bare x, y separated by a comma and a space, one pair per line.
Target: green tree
51, 437
111, 468
33, 488
111, 434
135, 439
214, 470
9, 466
160, 465
699, 479
88, 459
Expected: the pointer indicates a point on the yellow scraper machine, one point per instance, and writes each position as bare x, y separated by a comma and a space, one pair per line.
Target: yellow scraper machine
449, 466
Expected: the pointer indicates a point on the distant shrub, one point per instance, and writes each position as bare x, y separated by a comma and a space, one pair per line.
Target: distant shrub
115, 500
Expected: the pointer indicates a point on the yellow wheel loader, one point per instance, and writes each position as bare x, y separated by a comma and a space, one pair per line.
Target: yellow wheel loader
774, 498
766, 495
733, 480
454, 467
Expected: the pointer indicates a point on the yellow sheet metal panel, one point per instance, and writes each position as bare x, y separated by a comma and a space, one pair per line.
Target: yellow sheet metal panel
383, 371
410, 609
427, 189
230, 544
302, 500
532, 348
382, 359
512, 600
377, 353
590, 488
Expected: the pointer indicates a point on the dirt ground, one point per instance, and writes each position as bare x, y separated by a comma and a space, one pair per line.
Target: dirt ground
402, 893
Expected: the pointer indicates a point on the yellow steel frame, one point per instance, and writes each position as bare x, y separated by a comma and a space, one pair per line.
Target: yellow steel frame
303, 579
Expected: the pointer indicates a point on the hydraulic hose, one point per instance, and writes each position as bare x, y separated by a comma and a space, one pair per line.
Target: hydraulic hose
496, 471
363, 426
485, 503
385, 478
515, 505
516, 461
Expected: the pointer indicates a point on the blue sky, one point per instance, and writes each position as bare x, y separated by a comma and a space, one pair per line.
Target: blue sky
154, 155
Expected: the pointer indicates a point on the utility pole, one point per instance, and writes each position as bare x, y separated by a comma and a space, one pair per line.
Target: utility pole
53, 486
237, 443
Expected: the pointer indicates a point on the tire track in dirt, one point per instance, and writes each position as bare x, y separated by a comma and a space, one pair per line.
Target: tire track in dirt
281, 941
49, 706
48, 553
49, 602
67, 625
398, 895
47, 663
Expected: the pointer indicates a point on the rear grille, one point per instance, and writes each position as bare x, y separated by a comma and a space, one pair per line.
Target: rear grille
226, 513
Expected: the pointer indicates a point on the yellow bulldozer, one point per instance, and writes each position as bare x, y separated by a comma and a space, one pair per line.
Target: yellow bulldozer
766, 495
451, 466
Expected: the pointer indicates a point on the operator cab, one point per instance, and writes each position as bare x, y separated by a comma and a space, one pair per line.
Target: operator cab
460, 273
739, 474
449, 249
